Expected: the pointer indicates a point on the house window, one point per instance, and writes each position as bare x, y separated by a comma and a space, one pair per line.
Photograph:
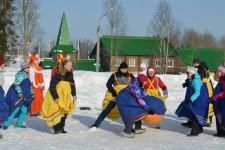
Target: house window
157, 62
145, 61
131, 62
118, 61
170, 63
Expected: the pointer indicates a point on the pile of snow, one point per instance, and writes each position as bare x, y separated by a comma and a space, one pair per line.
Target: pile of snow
91, 88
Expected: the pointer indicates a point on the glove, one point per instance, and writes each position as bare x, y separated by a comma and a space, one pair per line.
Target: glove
150, 112
114, 94
187, 101
185, 84
20, 95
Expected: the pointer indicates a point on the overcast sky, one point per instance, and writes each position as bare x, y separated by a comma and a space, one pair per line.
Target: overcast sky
82, 16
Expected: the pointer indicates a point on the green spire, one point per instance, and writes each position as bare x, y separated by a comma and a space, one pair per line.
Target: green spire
63, 35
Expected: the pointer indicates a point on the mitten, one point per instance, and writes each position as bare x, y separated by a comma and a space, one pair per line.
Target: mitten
187, 101
20, 95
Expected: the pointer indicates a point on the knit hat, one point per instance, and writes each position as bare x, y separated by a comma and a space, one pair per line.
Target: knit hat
2, 60
196, 60
221, 69
33, 58
143, 65
142, 78
192, 70
123, 65
24, 65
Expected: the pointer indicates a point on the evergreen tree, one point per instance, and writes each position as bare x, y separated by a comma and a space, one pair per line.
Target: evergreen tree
7, 34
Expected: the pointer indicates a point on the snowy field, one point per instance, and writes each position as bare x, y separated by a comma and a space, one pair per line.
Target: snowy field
91, 88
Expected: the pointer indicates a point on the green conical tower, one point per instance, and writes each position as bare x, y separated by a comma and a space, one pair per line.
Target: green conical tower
63, 35
63, 43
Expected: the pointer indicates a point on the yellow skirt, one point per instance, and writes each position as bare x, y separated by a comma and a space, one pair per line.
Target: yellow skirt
52, 112
114, 113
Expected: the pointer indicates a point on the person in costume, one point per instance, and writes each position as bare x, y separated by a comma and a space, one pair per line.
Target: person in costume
4, 108
143, 69
218, 101
134, 104
115, 83
195, 105
152, 86
38, 86
204, 74
60, 99
59, 59
19, 97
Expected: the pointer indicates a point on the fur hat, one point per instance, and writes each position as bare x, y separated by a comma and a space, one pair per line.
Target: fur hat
123, 65
24, 65
2, 60
33, 58
192, 70
221, 69
143, 65
196, 60
142, 78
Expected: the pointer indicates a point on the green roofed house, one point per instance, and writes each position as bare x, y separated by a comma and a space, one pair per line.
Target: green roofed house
87, 65
63, 43
212, 56
133, 51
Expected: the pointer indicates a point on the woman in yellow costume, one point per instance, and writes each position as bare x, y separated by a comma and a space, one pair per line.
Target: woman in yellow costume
58, 102
152, 86
117, 81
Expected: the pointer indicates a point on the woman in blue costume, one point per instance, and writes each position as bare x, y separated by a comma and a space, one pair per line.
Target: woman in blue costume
19, 97
195, 105
3, 105
134, 104
218, 101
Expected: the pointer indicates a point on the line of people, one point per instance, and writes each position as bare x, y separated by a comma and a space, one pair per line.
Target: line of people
132, 99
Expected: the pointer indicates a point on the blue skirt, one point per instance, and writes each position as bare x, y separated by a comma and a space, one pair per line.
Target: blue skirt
219, 108
196, 110
4, 108
131, 111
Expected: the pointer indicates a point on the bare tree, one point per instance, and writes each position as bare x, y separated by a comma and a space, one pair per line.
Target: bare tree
191, 38
164, 26
221, 42
26, 18
117, 23
208, 40
117, 18
85, 47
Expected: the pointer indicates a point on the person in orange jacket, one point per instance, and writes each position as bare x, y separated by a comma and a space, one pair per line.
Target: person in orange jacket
38, 86
153, 84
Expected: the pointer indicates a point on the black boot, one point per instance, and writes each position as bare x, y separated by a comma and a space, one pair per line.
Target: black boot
63, 131
187, 124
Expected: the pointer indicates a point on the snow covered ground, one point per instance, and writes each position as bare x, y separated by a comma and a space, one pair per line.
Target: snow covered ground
90, 92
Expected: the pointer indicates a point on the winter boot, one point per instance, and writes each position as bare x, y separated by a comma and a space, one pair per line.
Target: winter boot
127, 135
63, 131
187, 124
23, 126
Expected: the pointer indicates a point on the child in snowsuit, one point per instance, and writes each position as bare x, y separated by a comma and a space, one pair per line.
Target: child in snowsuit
115, 83
218, 101
4, 108
19, 97
58, 102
